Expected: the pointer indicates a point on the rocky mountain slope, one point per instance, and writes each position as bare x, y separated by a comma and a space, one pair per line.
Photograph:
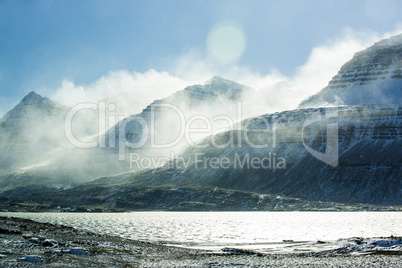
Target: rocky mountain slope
372, 76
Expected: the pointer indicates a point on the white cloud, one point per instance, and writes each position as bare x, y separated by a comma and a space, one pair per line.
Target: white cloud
323, 63
151, 83
326, 60
194, 68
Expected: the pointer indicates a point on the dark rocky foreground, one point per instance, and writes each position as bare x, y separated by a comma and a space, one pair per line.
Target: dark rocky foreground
28, 243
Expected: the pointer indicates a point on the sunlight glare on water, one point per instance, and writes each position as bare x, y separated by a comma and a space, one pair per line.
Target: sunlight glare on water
229, 228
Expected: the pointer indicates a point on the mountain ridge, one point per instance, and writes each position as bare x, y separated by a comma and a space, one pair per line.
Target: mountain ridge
373, 75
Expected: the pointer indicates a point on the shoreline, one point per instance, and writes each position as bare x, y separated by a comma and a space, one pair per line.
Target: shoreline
28, 243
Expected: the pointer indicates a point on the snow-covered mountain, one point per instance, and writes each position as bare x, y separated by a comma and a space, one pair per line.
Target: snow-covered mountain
217, 96
372, 76
34, 147
30, 130
33, 140
347, 154
281, 176
368, 160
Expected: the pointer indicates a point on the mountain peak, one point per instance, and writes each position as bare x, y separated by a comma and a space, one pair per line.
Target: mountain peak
33, 105
32, 97
217, 80
372, 76
393, 40
220, 86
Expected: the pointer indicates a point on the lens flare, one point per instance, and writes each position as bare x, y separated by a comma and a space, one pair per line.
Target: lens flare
226, 43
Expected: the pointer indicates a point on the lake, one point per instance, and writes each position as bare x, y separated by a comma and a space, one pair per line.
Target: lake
215, 230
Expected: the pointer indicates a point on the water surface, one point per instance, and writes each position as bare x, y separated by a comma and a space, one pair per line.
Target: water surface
214, 230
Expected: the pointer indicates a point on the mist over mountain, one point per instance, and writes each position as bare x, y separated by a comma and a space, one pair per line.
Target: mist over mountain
32, 107
371, 76
52, 155
168, 116
314, 157
31, 130
366, 167
367, 171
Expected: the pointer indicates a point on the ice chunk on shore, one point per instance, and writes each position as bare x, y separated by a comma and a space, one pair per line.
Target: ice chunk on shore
372, 244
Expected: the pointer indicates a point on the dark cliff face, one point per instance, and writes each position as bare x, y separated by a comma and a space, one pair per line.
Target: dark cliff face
368, 166
373, 75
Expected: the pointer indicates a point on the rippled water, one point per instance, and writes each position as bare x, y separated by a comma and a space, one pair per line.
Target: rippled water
219, 229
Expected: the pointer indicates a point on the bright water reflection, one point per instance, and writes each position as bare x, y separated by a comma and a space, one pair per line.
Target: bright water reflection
202, 229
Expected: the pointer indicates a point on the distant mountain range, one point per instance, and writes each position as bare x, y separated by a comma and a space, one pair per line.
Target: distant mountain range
339, 150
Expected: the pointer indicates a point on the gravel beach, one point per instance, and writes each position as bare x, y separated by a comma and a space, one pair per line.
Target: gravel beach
26, 243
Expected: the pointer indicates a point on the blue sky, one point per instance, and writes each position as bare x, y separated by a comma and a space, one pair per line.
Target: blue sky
45, 42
